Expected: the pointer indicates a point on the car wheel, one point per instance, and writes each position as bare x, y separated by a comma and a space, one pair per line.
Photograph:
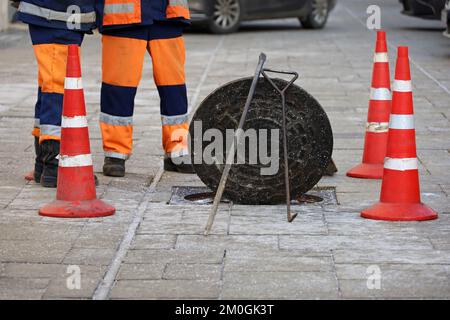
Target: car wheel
226, 16
318, 16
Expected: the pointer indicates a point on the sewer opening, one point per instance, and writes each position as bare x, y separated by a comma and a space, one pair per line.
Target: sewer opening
187, 195
309, 198
203, 198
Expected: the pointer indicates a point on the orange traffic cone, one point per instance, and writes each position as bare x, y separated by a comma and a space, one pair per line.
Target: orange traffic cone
76, 195
400, 191
378, 116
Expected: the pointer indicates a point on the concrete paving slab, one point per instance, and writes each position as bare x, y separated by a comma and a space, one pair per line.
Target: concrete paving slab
279, 285
210, 272
269, 260
141, 271
166, 289
174, 256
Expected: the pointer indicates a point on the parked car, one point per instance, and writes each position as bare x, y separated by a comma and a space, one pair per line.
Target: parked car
446, 18
426, 9
225, 16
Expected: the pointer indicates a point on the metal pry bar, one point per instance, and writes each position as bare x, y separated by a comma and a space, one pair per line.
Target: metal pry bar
282, 92
231, 151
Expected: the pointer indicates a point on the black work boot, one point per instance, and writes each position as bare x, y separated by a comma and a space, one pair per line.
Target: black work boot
180, 164
38, 162
114, 167
50, 152
331, 169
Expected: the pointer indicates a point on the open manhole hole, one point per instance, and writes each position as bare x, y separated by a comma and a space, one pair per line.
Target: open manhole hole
186, 195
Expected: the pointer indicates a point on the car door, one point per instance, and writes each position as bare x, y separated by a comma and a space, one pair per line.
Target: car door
263, 8
293, 5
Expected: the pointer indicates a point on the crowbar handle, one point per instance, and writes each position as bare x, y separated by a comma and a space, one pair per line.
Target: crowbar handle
231, 151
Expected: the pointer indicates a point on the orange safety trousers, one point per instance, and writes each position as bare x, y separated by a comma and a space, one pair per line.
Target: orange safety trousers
50, 48
123, 57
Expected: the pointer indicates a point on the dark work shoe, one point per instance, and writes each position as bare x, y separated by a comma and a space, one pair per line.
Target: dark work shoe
50, 153
38, 162
331, 169
179, 164
114, 167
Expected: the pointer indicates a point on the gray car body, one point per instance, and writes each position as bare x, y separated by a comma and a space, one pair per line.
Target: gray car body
426, 9
201, 10
447, 14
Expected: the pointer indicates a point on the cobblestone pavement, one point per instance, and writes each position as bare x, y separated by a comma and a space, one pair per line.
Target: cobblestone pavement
151, 249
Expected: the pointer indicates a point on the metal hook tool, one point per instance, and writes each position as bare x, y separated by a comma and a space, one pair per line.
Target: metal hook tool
282, 92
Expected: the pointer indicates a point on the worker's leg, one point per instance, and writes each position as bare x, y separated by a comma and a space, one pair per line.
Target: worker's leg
37, 108
167, 49
51, 48
38, 161
123, 58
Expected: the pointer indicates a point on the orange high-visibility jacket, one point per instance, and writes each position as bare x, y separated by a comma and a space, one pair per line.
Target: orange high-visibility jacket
115, 13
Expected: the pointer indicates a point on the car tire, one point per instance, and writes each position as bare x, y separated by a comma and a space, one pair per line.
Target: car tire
318, 16
225, 17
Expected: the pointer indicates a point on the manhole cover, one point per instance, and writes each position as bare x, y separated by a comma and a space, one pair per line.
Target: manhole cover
322, 196
310, 141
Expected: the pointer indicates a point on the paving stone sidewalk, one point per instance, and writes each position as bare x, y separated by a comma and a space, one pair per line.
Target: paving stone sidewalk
153, 250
